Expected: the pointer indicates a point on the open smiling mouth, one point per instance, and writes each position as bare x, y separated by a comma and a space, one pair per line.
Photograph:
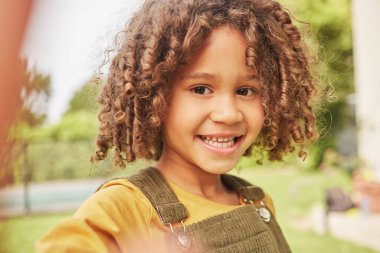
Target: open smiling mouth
220, 142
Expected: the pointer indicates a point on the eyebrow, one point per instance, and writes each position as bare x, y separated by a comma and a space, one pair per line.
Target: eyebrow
205, 75
252, 77
198, 75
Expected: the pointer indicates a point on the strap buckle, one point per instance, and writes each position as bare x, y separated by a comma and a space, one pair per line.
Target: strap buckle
183, 239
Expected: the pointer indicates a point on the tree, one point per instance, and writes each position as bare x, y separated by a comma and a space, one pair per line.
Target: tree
85, 99
79, 123
35, 92
69, 142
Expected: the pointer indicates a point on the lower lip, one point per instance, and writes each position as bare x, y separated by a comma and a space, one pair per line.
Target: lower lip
221, 151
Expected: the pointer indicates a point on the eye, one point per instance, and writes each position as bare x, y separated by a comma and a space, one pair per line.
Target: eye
201, 90
246, 91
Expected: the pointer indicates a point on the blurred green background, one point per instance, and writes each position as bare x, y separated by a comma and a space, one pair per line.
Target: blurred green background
70, 142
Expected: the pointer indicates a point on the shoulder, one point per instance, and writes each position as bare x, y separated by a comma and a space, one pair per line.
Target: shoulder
116, 197
252, 191
268, 201
106, 221
120, 188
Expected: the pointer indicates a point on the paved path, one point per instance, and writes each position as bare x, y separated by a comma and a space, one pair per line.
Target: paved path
47, 197
362, 229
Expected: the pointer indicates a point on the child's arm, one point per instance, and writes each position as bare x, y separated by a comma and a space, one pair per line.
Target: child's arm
76, 235
111, 220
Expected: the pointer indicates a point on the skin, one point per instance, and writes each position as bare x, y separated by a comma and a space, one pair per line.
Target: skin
13, 21
214, 95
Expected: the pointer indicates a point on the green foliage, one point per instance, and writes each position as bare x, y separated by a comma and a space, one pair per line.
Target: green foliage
330, 25
35, 92
63, 150
85, 99
79, 122
74, 126
58, 151
71, 160
331, 39
63, 160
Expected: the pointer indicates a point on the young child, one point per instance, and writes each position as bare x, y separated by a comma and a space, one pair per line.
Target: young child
196, 85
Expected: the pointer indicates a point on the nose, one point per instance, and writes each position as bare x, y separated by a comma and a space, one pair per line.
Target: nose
226, 111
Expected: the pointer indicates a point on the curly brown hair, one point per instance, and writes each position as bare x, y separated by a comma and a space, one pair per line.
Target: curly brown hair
163, 34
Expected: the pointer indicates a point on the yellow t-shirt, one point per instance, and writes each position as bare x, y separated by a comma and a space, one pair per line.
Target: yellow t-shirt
119, 218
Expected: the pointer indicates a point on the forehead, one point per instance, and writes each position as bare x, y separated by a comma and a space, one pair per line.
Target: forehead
224, 51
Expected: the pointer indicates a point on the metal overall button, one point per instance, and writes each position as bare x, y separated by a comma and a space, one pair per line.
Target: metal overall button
264, 213
261, 210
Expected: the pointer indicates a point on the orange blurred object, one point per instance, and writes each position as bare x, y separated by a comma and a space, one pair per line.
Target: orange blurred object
13, 21
367, 189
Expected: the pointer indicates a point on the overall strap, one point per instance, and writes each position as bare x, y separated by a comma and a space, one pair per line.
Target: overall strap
170, 210
154, 186
254, 194
260, 234
249, 192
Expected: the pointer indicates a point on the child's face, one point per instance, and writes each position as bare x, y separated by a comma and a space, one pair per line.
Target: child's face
215, 109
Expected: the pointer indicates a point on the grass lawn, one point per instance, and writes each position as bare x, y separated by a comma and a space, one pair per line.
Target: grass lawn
294, 193
18, 235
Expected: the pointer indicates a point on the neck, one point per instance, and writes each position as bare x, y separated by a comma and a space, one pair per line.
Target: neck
192, 178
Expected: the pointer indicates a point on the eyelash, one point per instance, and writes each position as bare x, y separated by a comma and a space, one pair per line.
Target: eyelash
204, 88
194, 90
249, 89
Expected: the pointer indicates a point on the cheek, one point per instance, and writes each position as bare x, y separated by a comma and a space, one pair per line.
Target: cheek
261, 114
256, 118
177, 120
183, 109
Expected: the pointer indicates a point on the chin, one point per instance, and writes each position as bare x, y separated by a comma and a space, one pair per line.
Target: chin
221, 168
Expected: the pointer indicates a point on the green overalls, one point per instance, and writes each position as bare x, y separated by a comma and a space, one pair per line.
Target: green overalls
246, 229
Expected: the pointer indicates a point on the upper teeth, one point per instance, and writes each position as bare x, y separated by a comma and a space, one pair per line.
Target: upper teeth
219, 142
219, 139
